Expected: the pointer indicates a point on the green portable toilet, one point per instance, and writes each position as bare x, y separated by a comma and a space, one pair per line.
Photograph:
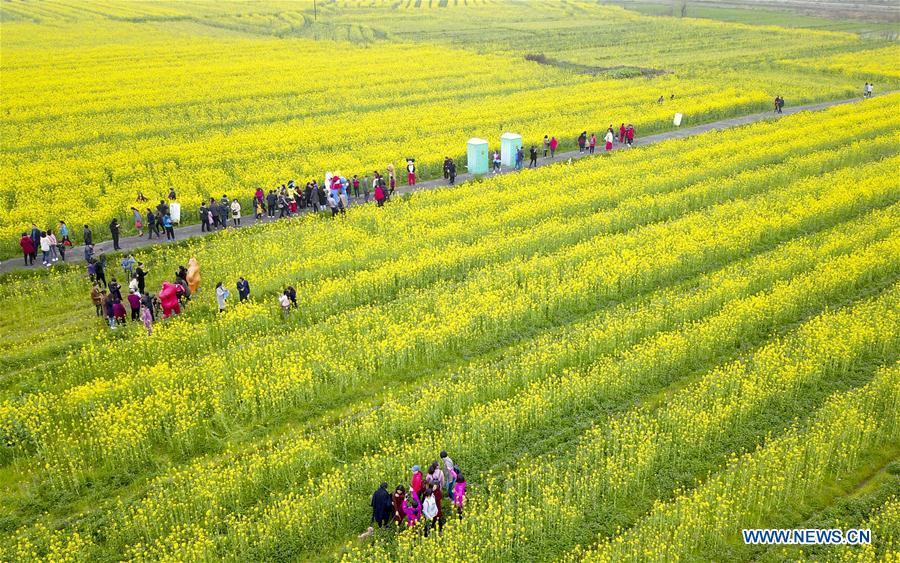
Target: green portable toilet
509, 144
477, 156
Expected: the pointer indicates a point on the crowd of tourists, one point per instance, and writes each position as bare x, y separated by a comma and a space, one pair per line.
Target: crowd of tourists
423, 502
334, 195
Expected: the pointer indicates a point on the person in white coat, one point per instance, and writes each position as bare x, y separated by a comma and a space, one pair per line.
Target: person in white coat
236, 212
609, 140
221, 295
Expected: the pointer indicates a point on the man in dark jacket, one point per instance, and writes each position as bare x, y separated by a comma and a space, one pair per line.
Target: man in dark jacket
223, 211
271, 199
152, 224
162, 208
382, 507
214, 209
88, 236
204, 218
140, 274
243, 288
114, 232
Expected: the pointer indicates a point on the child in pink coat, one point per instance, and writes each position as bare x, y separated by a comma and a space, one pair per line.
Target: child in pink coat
412, 508
459, 494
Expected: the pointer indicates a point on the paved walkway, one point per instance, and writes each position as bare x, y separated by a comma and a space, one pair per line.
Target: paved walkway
76, 254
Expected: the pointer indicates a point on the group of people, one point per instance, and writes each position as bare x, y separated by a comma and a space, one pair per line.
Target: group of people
424, 500
109, 298
868, 89
52, 248
286, 201
779, 104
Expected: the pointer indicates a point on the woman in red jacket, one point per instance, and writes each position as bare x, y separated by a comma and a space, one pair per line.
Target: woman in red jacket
397, 500
27, 249
553, 144
621, 133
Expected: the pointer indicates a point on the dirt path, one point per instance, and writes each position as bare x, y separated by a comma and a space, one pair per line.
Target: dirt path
76, 254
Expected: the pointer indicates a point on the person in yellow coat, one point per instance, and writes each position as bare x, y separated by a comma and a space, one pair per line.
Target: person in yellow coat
193, 275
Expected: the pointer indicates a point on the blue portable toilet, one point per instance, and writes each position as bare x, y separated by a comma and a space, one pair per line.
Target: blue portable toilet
477, 153
509, 144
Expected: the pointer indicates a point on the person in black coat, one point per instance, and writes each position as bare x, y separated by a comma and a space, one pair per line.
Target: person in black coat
152, 224
271, 200
88, 236
204, 218
114, 232
382, 507
140, 274
243, 288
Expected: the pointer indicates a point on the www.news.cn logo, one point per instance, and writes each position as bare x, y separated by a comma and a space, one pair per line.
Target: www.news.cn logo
811, 536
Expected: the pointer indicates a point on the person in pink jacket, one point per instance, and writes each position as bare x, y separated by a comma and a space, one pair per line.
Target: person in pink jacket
412, 508
459, 494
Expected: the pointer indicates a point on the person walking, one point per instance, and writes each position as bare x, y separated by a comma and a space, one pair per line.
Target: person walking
138, 221
417, 483
28, 249
114, 232
532, 157
592, 143
35, 236
546, 145
449, 472
622, 134
553, 144
97, 299
582, 141
115, 289
870, 89
355, 184
64, 243
365, 186
412, 509
109, 310
236, 212
44, 243
203, 215
271, 200
429, 509
64, 232
224, 207
496, 160
397, 499
609, 140
134, 302
147, 318
285, 303
128, 263
167, 224
88, 236
452, 172
459, 494
100, 269
382, 506
629, 135
314, 200
54, 244
119, 311
140, 274
520, 158
379, 195
243, 288
435, 475
152, 224
221, 295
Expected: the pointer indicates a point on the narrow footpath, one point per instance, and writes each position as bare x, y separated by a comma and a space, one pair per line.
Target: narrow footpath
75, 255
